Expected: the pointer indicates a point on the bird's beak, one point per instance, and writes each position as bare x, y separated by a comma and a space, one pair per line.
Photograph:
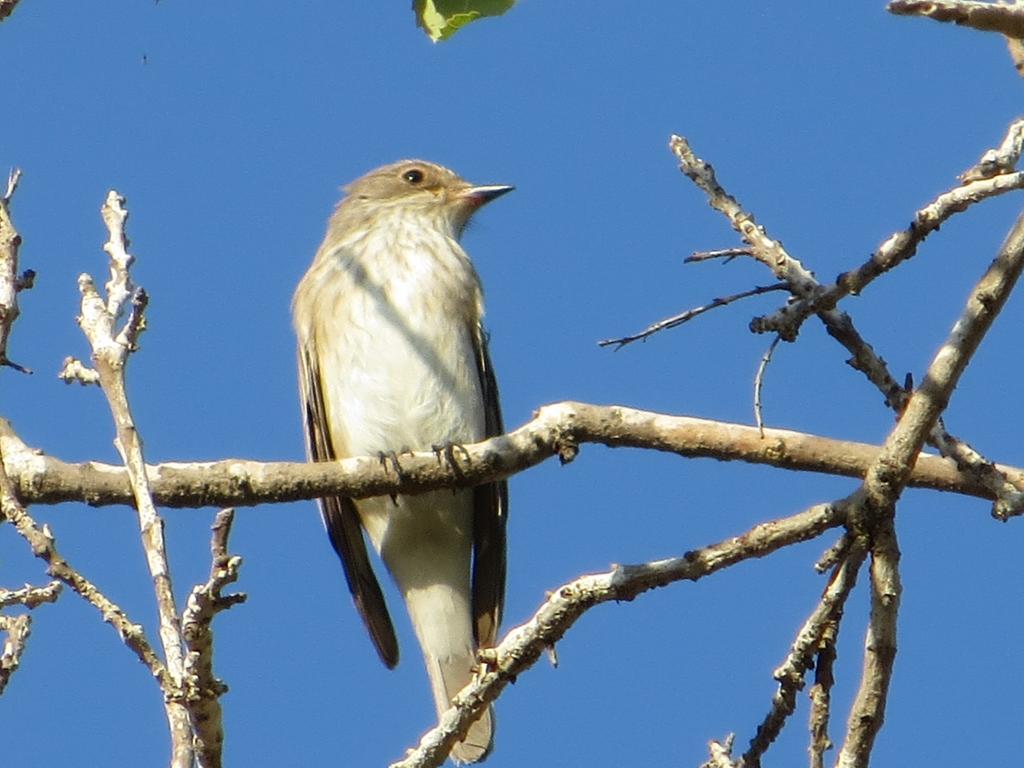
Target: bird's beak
478, 196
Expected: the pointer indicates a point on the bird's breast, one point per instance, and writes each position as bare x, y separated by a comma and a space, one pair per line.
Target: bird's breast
397, 344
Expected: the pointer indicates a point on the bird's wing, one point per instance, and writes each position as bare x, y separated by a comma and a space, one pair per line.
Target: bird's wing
490, 515
342, 520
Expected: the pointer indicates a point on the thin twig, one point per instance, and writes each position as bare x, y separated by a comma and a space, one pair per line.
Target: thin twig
682, 317
766, 358
727, 254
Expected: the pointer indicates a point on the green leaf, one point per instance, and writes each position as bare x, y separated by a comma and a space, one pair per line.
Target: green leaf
441, 19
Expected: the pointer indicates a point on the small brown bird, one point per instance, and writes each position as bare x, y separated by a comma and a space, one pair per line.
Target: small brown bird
393, 357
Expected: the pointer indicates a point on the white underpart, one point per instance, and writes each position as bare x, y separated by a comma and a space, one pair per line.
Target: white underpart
400, 373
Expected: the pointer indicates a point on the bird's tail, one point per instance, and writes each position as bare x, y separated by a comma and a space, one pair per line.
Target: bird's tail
441, 617
447, 678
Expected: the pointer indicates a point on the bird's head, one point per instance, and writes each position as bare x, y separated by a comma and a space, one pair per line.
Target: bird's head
428, 189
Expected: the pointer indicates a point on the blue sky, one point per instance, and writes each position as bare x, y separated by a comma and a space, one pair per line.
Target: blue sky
230, 127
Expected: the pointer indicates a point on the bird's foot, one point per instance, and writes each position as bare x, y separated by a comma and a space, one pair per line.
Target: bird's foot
446, 453
487, 661
389, 459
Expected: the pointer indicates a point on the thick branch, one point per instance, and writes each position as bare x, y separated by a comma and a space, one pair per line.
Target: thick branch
556, 430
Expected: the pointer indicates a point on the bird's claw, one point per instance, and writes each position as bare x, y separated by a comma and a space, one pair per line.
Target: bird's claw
389, 459
447, 453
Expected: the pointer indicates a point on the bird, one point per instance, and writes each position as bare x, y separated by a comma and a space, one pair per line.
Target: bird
393, 357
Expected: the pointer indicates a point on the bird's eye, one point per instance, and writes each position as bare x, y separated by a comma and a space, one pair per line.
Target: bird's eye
414, 176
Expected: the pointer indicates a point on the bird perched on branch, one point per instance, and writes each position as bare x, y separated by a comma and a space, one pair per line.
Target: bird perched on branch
393, 357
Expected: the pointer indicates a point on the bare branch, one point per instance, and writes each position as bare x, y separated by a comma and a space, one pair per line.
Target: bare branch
523, 645
835, 554
988, 17
873, 505
800, 281
894, 464
556, 430
76, 371
763, 248
839, 326
682, 317
821, 695
900, 247
727, 254
1015, 46
110, 349
1001, 159
11, 283
790, 674
868, 711
1008, 498
721, 754
44, 547
17, 629
203, 689
766, 358
872, 508
30, 597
